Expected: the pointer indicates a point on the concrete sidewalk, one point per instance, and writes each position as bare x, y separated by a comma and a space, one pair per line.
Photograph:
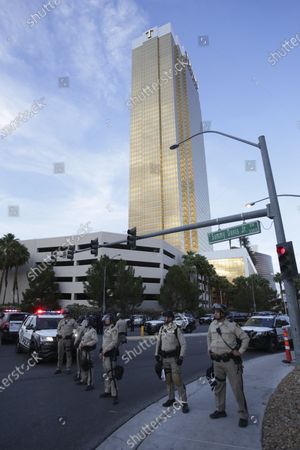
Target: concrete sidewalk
195, 430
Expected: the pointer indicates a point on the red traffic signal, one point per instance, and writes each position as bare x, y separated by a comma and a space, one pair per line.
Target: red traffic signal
287, 261
280, 250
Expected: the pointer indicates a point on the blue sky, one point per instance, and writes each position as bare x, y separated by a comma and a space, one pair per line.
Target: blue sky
86, 125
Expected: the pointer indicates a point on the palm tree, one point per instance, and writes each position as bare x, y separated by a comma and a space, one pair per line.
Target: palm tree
13, 254
195, 263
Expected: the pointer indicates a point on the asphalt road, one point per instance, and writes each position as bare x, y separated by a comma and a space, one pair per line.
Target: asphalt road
44, 411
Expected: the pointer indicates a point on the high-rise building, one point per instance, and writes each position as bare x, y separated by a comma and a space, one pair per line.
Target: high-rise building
168, 188
264, 267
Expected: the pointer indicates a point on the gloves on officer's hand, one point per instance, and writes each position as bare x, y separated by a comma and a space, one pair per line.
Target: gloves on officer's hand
179, 360
158, 358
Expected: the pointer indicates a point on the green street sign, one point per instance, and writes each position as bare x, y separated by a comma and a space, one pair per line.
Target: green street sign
234, 232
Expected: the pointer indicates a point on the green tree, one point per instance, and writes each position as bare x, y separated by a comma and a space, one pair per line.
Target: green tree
247, 288
178, 292
100, 272
43, 291
123, 291
127, 292
223, 289
245, 242
203, 271
13, 254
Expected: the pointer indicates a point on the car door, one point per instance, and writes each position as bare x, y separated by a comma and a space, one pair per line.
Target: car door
280, 323
26, 332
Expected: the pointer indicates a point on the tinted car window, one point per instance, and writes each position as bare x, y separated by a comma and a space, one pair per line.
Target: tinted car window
17, 317
260, 322
47, 323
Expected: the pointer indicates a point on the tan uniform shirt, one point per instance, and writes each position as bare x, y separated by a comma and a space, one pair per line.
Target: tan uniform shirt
66, 326
230, 332
110, 338
89, 337
121, 326
167, 340
80, 332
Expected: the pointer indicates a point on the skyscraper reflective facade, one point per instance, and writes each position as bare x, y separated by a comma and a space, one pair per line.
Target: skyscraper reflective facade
167, 188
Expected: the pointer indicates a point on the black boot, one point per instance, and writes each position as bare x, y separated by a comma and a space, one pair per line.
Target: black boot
168, 403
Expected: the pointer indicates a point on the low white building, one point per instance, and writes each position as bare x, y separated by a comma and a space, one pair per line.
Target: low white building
151, 260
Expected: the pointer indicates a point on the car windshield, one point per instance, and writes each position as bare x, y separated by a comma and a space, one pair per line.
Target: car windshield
18, 317
260, 322
47, 323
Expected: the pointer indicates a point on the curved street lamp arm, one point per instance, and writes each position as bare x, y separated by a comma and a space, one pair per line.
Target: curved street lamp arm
278, 195
216, 132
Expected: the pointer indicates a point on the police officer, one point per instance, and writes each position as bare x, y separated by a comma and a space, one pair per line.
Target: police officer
121, 326
87, 345
108, 354
78, 336
170, 350
64, 335
225, 351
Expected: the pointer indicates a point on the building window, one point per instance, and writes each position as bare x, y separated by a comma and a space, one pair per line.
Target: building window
65, 296
170, 255
63, 279
151, 280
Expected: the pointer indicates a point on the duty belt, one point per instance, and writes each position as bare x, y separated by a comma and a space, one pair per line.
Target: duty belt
170, 354
224, 357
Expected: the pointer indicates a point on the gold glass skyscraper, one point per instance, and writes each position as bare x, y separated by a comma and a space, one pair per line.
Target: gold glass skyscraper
167, 188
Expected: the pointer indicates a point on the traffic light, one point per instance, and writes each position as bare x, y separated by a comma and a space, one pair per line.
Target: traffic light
131, 238
94, 247
70, 252
287, 261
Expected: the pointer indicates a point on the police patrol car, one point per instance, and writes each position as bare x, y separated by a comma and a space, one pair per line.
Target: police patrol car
266, 331
38, 333
11, 323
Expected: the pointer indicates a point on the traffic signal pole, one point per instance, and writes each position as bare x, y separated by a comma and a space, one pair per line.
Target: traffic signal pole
289, 285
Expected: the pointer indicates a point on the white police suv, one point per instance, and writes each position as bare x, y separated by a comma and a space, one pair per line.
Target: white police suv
266, 331
39, 333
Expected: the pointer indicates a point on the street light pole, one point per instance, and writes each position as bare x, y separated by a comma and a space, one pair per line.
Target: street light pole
290, 288
289, 285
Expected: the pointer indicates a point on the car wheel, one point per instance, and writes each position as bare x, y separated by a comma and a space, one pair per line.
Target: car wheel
18, 347
33, 348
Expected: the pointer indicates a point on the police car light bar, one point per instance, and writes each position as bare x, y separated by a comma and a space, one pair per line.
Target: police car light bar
11, 310
45, 311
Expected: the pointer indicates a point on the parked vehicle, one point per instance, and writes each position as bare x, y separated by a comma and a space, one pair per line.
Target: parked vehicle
206, 319
266, 331
186, 322
181, 319
139, 319
39, 333
11, 323
238, 317
153, 326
